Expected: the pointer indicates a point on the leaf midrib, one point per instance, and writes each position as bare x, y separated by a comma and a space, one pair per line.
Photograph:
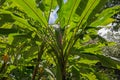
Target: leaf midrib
34, 12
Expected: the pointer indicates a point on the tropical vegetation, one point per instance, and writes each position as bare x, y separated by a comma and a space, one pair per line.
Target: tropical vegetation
69, 49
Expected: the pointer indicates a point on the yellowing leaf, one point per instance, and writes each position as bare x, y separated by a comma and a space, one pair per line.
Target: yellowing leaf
107, 21
5, 57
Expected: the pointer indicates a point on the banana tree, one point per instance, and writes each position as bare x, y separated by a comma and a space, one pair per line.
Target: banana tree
73, 33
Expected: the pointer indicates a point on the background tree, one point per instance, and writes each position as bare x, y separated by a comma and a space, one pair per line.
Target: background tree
113, 32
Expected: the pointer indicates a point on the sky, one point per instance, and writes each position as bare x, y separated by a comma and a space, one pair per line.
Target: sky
53, 14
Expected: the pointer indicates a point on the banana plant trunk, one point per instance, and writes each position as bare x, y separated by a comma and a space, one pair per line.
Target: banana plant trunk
61, 74
63, 70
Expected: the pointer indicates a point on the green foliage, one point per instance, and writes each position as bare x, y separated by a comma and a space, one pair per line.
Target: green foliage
67, 50
107, 14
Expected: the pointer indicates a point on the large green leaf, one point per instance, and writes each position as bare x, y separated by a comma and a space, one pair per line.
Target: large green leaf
5, 18
106, 61
82, 11
60, 3
105, 16
47, 6
75, 18
76, 73
91, 8
30, 7
18, 19
66, 12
